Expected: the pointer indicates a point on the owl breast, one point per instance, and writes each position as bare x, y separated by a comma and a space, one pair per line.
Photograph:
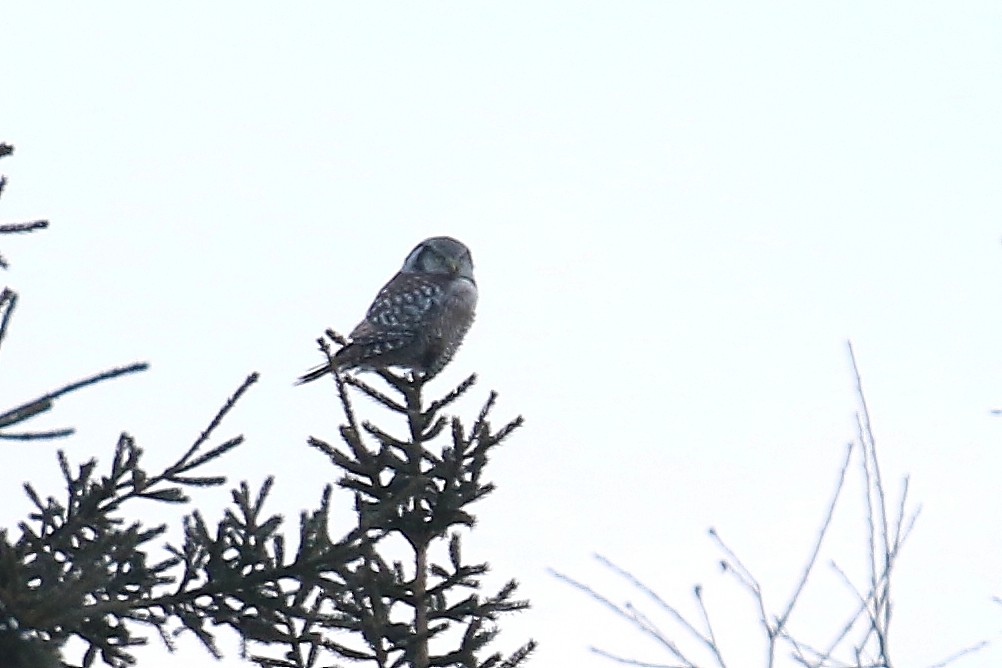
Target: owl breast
450, 327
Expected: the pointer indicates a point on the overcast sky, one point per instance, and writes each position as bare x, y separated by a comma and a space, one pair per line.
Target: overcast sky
679, 213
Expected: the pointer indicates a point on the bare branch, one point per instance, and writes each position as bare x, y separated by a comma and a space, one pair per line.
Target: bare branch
839, 486
634, 662
972, 649
625, 614
673, 612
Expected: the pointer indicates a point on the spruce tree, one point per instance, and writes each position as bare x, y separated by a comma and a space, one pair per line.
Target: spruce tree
83, 565
410, 597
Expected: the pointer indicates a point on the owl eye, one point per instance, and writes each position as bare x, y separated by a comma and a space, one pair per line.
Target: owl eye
430, 258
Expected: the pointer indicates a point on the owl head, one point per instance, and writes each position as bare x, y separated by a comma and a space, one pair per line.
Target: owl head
440, 255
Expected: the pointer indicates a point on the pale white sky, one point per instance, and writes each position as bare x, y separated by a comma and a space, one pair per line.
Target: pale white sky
678, 213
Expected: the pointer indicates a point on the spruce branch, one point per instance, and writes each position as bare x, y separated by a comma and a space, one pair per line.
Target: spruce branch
80, 569
407, 485
8, 300
14, 228
43, 403
17, 228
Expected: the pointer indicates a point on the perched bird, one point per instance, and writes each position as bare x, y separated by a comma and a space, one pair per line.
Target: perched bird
418, 319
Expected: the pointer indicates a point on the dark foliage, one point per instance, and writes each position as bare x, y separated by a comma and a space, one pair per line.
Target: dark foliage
79, 568
82, 567
407, 489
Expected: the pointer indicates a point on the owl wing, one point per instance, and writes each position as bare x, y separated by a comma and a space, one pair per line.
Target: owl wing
407, 303
401, 314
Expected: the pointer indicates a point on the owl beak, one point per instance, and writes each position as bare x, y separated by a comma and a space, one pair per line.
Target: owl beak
453, 266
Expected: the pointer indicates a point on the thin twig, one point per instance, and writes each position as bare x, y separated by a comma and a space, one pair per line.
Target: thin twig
675, 614
633, 662
453, 394
735, 565
698, 592
800, 647
741, 573
207, 432
38, 435
839, 486
977, 647
882, 600
864, 606
580, 586
901, 513
882, 506
870, 525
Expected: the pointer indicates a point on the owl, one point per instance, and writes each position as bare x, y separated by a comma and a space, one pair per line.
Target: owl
419, 319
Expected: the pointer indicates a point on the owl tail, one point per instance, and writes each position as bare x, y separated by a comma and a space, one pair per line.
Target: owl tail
313, 374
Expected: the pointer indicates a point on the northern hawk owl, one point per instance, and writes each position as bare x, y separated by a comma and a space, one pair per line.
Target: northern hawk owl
419, 318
